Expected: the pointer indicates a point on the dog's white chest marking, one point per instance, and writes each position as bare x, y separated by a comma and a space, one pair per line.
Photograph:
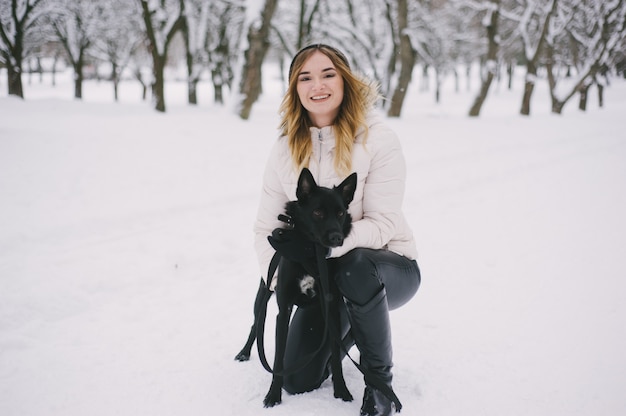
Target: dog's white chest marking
307, 284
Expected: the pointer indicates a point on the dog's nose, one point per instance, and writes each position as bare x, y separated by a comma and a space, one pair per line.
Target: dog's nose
335, 239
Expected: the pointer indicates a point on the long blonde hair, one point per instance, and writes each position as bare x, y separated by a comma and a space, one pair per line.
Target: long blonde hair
359, 97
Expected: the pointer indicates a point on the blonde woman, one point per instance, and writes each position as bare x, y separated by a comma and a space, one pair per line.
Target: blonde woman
329, 126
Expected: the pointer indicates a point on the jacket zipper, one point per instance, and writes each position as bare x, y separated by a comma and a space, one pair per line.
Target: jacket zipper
319, 139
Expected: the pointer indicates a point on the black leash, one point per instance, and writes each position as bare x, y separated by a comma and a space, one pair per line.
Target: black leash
261, 314
370, 377
334, 334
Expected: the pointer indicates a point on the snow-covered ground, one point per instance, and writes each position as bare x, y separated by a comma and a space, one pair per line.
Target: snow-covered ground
127, 270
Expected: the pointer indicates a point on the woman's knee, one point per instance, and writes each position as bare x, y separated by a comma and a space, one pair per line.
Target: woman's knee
357, 277
362, 273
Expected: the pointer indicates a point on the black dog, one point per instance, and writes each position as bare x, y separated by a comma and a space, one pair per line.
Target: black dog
318, 220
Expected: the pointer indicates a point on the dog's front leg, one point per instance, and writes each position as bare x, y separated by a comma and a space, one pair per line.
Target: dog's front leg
339, 384
274, 395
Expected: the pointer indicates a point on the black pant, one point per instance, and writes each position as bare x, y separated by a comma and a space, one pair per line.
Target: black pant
360, 275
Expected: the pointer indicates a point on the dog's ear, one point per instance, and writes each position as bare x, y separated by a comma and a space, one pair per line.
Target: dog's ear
347, 188
306, 184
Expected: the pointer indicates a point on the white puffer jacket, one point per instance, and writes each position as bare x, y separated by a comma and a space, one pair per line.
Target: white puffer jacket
378, 221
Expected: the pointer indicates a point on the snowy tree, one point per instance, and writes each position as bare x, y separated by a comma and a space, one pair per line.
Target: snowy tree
162, 20
407, 59
533, 18
439, 35
196, 20
592, 35
211, 32
258, 29
17, 23
221, 44
76, 25
490, 22
362, 30
119, 37
294, 27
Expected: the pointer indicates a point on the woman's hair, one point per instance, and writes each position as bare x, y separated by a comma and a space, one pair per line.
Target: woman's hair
359, 96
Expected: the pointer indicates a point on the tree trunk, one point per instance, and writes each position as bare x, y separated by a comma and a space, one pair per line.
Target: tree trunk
192, 88
218, 83
13, 52
407, 58
557, 105
600, 95
159, 58
492, 56
78, 78
529, 87
192, 82
582, 102
437, 86
258, 42
509, 71
218, 93
533, 61
116, 80
158, 86
14, 76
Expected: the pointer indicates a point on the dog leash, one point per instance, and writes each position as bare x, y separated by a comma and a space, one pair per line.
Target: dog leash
261, 314
335, 335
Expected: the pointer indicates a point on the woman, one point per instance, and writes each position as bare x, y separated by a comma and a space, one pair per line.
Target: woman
328, 125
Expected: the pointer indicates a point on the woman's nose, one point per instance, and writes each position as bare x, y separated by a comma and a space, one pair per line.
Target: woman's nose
318, 83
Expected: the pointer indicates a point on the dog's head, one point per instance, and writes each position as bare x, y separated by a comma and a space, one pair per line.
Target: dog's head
321, 213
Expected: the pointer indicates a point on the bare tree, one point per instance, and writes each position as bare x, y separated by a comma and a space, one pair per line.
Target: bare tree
162, 20
75, 25
221, 44
211, 33
534, 19
17, 18
407, 60
258, 43
361, 29
595, 33
119, 38
490, 21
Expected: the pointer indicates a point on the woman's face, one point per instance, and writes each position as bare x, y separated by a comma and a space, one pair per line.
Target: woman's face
320, 89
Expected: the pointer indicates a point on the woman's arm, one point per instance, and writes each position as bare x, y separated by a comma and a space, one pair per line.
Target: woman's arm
383, 194
272, 203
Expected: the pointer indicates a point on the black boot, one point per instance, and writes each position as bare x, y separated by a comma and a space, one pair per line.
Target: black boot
372, 333
376, 403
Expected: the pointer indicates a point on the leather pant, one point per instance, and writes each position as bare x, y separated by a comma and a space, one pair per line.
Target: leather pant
360, 274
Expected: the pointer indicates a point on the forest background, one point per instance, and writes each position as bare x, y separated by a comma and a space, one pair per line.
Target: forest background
572, 44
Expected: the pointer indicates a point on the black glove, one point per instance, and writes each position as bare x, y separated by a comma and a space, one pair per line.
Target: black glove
294, 247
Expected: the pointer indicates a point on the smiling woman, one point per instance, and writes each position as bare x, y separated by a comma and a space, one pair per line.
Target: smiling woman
329, 126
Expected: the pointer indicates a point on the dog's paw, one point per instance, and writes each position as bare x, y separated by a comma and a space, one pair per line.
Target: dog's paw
272, 399
242, 356
342, 392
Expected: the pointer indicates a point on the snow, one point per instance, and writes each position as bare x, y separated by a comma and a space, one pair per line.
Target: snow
127, 270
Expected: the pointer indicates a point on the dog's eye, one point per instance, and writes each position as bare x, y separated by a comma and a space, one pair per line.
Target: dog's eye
318, 214
340, 214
